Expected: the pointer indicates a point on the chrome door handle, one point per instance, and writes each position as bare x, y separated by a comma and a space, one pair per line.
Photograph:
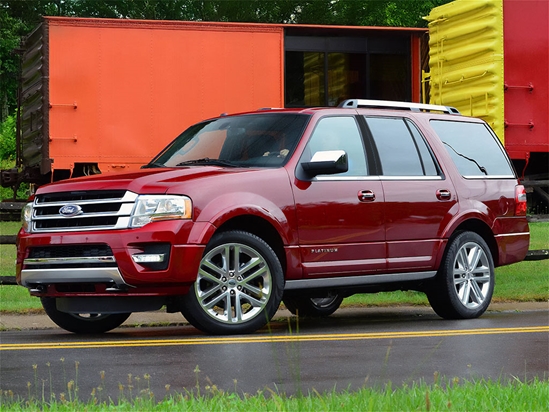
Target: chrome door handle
366, 196
444, 194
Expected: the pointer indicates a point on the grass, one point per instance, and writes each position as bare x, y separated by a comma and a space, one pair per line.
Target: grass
526, 281
136, 394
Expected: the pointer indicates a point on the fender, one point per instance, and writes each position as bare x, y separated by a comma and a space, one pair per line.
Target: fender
242, 204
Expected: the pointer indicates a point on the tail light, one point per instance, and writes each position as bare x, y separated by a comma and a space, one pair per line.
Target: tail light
520, 201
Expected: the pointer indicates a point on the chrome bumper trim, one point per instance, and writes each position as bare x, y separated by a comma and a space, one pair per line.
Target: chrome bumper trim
32, 277
69, 260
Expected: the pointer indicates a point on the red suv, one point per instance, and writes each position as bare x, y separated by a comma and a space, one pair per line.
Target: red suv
302, 206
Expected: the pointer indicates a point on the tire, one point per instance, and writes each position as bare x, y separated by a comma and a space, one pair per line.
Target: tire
82, 323
239, 272
313, 307
464, 284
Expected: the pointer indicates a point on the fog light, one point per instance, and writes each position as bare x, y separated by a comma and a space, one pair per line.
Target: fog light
153, 258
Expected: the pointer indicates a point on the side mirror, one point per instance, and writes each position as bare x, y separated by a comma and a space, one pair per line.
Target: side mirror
326, 163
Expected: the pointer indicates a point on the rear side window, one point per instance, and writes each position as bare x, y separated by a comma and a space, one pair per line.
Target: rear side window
401, 148
474, 148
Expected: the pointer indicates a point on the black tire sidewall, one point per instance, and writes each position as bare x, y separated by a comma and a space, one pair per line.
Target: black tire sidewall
443, 296
305, 307
195, 314
73, 323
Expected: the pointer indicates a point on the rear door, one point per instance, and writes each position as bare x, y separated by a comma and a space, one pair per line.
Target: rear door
340, 217
419, 199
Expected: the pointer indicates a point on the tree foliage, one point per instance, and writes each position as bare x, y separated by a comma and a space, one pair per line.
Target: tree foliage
19, 17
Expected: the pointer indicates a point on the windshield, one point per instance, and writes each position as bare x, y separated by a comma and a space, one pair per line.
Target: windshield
253, 140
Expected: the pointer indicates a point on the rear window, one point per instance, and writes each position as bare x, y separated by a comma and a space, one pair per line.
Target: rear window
474, 148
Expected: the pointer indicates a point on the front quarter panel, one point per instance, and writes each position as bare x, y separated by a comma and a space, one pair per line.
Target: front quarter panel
262, 193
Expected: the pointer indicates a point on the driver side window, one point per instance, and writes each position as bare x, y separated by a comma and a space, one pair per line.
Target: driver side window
340, 133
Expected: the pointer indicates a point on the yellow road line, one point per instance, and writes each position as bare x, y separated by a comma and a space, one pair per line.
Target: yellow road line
269, 338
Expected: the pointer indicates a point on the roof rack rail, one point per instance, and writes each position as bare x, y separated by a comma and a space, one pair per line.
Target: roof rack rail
387, 104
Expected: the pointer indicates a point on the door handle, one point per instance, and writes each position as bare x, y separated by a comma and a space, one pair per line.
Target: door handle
444, 194
366, 196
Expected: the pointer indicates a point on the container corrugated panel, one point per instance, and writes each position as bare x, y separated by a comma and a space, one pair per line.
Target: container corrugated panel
120, 90
466, 59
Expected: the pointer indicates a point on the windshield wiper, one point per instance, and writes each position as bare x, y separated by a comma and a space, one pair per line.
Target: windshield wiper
207, 161
481, 168
152, 165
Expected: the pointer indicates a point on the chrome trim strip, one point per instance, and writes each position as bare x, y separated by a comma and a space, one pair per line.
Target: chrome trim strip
343, 281
70, 260
30, 277
128, 197
513, 234
380, 178
482, 177
422, 178
125, 210
350, 178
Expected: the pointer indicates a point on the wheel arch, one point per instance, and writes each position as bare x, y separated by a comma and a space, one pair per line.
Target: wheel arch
480, 228
261, 228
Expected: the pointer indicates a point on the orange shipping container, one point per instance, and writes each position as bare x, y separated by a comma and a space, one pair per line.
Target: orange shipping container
137, 84
105, 95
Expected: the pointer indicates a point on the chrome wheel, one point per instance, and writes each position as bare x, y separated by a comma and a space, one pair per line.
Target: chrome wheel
313, 306
238, 287
234, 283
472, 277
464, 283
325, 302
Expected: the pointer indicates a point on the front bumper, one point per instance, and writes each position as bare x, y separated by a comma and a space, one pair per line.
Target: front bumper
48, 263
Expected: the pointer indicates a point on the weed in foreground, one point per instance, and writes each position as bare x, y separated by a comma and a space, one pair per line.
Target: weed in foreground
136, 394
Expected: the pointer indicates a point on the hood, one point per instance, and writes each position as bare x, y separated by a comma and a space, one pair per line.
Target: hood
145, 181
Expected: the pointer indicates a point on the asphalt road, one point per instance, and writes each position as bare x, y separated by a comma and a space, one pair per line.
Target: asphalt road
351, 349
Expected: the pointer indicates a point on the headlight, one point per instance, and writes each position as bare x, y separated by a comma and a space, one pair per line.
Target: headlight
26, 217
153, 208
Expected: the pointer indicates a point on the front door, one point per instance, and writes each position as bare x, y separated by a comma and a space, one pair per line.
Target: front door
340, 217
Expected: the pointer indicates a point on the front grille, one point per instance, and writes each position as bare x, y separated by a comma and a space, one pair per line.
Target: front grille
70, 256
93, 210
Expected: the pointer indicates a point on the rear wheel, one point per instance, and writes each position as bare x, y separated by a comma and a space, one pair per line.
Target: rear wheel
83, 323
464, 285
238, 287
314, 307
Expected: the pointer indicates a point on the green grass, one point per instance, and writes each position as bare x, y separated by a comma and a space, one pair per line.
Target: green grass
539, 236
136, 394
522, 282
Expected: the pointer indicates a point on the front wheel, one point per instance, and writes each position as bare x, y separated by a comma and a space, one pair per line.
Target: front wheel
464, 284
238, 287
313, 307
82, 323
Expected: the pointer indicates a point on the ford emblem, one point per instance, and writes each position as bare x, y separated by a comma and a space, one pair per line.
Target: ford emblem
70, 210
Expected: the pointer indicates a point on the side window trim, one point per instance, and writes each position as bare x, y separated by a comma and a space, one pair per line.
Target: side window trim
409, 124
376, 159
